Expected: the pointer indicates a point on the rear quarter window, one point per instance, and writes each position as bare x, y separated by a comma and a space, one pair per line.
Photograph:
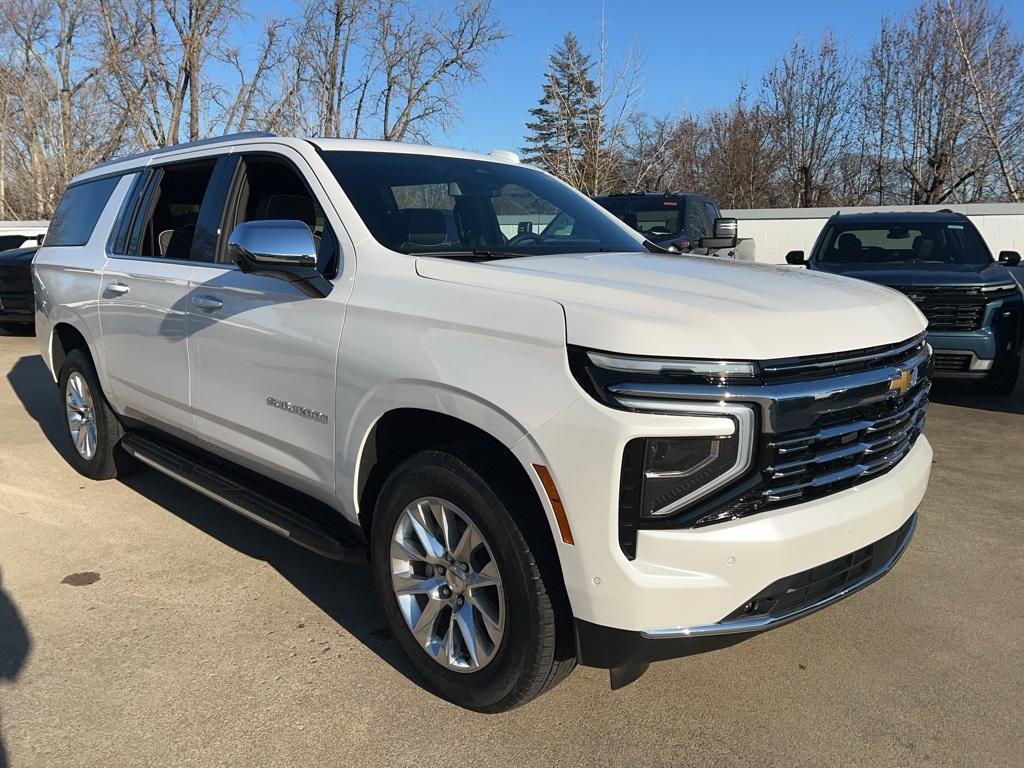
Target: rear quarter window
78, 211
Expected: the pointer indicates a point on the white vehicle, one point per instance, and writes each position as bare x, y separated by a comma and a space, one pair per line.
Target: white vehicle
558, 449
21, 234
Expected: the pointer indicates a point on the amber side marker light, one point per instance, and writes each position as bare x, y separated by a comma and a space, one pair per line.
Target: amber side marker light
556, 503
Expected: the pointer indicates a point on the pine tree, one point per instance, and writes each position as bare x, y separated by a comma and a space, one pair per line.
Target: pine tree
563, 134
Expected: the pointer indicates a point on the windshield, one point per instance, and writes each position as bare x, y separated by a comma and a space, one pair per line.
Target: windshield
426, 204
932, 242
654, 217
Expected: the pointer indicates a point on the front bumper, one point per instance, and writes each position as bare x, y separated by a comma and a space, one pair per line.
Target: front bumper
691, 577
782, 602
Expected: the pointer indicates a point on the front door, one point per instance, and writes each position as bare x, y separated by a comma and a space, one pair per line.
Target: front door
264, 353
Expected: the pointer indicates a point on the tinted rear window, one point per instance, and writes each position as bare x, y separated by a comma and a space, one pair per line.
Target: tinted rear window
78, 211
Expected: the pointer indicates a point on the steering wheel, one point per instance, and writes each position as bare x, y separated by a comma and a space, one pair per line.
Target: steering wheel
526, 237
659, 232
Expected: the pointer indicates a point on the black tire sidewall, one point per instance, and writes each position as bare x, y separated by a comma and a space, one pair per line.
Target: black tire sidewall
440, 475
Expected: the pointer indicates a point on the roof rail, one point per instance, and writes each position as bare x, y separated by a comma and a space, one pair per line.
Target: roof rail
188, 144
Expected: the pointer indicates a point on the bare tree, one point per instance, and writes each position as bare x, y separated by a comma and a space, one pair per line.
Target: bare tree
156, 51
992, 58
739, 158
806, 97
57, 121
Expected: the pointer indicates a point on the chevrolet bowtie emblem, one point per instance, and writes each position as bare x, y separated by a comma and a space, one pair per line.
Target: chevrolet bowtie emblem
902, 383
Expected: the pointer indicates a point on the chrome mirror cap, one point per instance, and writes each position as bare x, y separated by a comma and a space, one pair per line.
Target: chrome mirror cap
273, 242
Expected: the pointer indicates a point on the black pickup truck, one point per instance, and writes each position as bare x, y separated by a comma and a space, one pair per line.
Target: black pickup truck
16, 298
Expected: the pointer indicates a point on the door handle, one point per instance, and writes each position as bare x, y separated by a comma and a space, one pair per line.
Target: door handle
118, 289
207, 302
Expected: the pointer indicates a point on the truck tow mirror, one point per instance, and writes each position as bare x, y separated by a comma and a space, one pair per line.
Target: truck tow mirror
796, 258
280, 248
1009, 258
725, 235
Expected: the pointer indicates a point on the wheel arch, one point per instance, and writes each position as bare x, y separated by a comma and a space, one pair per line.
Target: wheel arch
404, 431
65, 337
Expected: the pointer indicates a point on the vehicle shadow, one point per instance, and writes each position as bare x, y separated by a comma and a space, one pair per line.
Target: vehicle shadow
15, 645
967, 395
31, 382
343, 592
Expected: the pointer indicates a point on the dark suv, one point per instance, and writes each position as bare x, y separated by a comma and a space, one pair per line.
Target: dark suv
681, 221
942, 264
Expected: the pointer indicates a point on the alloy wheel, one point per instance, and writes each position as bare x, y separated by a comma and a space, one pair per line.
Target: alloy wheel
447, 584
81, 416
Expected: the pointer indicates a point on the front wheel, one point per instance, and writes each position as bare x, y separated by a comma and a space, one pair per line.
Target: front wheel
477, 610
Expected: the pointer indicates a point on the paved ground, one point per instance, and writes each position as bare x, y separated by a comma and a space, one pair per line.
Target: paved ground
141, 625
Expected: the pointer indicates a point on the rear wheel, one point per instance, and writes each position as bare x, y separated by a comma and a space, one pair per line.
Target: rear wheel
91, 430
474, 606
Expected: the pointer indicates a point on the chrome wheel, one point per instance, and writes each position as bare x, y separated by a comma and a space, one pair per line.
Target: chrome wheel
81, 416
447, 584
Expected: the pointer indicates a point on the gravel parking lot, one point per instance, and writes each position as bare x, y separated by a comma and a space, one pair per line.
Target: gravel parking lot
142, 625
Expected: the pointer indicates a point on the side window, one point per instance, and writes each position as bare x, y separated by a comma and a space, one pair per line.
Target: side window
713, 213
78, 211
695, 226
270, 188
167, 208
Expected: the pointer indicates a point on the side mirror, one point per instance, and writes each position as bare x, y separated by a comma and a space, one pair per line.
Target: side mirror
1009, 258
281, 248
796, 258
725, 234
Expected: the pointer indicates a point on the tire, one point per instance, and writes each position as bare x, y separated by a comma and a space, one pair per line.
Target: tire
535, 646
18, 329
1002, 381
99, 457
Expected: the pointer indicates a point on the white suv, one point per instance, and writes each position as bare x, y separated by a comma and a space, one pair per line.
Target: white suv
552, 448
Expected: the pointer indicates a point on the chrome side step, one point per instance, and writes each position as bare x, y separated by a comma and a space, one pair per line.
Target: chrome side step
238, 496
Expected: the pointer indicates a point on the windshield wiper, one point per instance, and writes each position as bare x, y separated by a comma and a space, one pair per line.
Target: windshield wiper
476, 254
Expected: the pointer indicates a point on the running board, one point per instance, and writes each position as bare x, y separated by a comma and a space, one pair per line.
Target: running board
242, 498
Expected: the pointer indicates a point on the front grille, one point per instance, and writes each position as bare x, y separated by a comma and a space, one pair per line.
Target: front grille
793, 594
842, 449
952, 362
949, 308
838, 363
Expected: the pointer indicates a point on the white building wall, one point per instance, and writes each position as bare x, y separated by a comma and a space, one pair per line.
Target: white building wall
776, 231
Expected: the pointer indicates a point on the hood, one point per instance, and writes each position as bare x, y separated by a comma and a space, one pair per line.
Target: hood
697, 306
17, 256
922, 274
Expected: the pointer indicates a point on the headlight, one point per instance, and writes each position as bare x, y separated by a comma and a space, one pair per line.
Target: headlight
668, 481
708, 369
991, 292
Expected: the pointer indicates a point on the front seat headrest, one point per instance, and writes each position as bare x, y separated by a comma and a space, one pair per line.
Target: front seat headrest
425, 226
297, 207
848, 246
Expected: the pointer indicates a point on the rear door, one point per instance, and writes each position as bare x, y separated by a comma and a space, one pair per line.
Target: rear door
143, 295
263, 352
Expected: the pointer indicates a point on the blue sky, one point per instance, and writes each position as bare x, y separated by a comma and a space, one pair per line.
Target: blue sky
695, 52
